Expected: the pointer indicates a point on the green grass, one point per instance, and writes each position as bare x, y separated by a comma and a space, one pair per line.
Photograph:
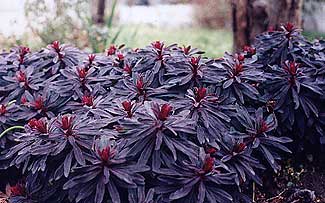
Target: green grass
313, 35
213, 42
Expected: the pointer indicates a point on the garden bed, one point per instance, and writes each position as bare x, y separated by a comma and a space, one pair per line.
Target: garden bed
163, 123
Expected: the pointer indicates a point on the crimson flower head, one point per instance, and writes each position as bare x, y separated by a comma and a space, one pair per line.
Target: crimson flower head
38, 125
82, 73
111, 50
200, 93
240, 57
239, 148
91, 58
289, 27
164, 112
263, 127
120, 57
22, 52
249, 50
87, 100
127, 69
292, 67
208, 164
17, 190
56, 45
158, 45
238, 68
21, 76
32, 123
195, 61
195, 65
127, 105
211, 150
140, 85
38, 103
23, 100
187, 49
106, 154
66, 122
3, 109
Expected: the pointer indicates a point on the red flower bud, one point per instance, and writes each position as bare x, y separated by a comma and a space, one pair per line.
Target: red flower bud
87, 100
241, 57
22, 52
211, 150
17, 190
111, 50
105, 154
91, 58
39, 103
186, 50
140, 85
195, 61
82, 73
120, 57
66, 122
21, 76
292, 67
127, 105
200, 93
38, 125
3, 109
263, 127
249, 50
289, 27
164, 112
23, 100
238, 68
195, 65
56, 45
158, 45
208, 164
239, 147
127, 69
32, 123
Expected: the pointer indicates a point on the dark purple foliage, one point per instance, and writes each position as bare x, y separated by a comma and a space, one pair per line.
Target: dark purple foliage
107, 174
155, 134
211, 112
201, 181
158, 124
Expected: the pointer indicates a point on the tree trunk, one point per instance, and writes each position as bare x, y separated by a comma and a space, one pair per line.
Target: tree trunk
252, 17
98, 11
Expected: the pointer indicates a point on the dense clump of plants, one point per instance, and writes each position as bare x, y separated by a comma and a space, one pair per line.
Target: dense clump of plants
158, 124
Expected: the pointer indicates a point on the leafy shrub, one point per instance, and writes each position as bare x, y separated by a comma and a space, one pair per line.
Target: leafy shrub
161, 123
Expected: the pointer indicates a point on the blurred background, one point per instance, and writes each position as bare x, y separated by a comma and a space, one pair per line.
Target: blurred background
214, 26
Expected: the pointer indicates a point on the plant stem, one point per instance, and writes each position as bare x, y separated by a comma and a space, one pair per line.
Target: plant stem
253, 192
11, 102
10, 129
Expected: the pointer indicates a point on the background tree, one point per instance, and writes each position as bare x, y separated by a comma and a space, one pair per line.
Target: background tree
98, 11
251, 17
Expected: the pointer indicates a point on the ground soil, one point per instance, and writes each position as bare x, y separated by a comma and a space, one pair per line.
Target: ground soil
294, 176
